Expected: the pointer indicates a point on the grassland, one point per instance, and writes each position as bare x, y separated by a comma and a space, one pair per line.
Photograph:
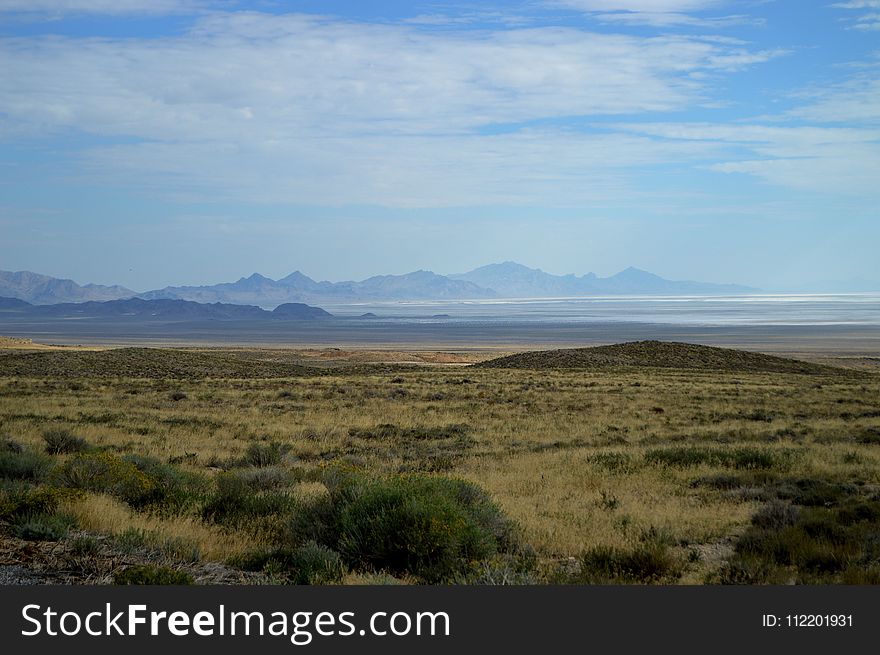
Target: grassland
696, 466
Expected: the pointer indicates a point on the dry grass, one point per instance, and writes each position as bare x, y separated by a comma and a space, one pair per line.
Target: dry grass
107, 516
21, 344
563, 452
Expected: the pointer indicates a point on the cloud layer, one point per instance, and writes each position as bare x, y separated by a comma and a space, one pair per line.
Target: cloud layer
108, 7
308, 110
300, 108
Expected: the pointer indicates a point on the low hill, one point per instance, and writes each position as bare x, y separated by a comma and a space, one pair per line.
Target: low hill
13, 303
657, 354
142, 363
299, 310
145, 310
160, 310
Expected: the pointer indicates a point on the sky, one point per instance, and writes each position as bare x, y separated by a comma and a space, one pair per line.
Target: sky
158, 142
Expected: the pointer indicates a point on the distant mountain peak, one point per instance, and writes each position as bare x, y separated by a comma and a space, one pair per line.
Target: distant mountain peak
296, 275
633, 272
509, 265
512, 280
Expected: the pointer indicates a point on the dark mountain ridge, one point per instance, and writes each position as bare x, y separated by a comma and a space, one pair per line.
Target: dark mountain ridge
161, 310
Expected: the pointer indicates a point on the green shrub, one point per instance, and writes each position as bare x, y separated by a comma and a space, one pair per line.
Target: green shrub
19, 500
43, 527
265, 454
727, 482
740, 458
396, 432
750, 571
62, 442
84, 546
612, 462
313, 563
434, 528
131, 540
24, 465
312, 519
775, 515
172, 487
869, 436
107, 473
309, 564
647, 563
431, 527
836, 542
811, 492
262, 479
151, 575
235, 502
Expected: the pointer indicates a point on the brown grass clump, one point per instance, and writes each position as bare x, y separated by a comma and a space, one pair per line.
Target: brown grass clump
107, 516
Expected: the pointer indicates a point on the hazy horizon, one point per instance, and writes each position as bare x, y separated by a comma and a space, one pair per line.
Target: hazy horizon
817, 287
155, 143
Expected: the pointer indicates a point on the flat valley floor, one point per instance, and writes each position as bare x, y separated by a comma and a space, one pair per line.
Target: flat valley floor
241, 464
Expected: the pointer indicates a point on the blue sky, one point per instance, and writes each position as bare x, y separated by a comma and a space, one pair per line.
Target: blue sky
155, 142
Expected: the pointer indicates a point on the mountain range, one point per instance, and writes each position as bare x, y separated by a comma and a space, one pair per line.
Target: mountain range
512, 280
157, 310
297, 287
506, 280
44, 290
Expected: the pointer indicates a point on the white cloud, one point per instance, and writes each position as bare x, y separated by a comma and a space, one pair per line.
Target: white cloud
657, 13
297, 108
468, 17
671, 19
109, 7
869, 21
854, 101
849, 171
655, 6
252, 75
833, 160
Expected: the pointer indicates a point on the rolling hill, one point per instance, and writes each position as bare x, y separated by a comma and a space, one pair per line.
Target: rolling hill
158, 363
656, 354
160, 310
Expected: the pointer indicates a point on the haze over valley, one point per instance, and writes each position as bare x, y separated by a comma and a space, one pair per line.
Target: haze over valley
506, 280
